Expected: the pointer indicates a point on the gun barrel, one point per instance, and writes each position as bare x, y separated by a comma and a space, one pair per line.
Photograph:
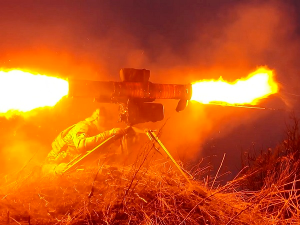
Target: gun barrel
140, 90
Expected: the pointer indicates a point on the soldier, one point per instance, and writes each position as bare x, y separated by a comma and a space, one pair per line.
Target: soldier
78, 139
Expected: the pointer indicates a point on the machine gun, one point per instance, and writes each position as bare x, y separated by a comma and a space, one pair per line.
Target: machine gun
135, 95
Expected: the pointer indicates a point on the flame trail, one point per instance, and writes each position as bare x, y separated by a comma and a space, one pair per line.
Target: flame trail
250, 90
23, 91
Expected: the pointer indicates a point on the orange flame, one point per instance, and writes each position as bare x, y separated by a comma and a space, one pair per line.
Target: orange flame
22, 91
250, 90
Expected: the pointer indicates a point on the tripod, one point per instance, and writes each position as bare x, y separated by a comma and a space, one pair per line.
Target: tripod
82, 158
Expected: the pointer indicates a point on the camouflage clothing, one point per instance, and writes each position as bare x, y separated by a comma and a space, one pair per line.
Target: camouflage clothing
76, 139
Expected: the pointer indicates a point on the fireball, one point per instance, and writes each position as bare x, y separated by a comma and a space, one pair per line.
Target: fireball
23, 91
258, 85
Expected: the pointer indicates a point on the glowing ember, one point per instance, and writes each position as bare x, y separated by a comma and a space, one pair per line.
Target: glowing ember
250, 90
23, 91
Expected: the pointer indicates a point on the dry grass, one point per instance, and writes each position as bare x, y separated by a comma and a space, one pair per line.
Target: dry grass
155, 196
154, 192
125, 195
274, 175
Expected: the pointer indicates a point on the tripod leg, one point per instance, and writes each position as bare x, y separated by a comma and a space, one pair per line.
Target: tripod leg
152, 136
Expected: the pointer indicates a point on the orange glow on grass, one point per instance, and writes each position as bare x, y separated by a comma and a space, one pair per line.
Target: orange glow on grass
23, 91
250, 90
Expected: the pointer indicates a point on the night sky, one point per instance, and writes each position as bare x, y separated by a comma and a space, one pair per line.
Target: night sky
179, 42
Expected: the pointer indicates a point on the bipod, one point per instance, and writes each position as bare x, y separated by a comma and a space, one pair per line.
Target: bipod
153, 137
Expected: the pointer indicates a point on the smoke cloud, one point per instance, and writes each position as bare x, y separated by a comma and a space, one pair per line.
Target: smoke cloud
179, 42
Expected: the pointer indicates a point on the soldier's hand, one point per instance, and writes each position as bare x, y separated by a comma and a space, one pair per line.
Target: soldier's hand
60, 168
